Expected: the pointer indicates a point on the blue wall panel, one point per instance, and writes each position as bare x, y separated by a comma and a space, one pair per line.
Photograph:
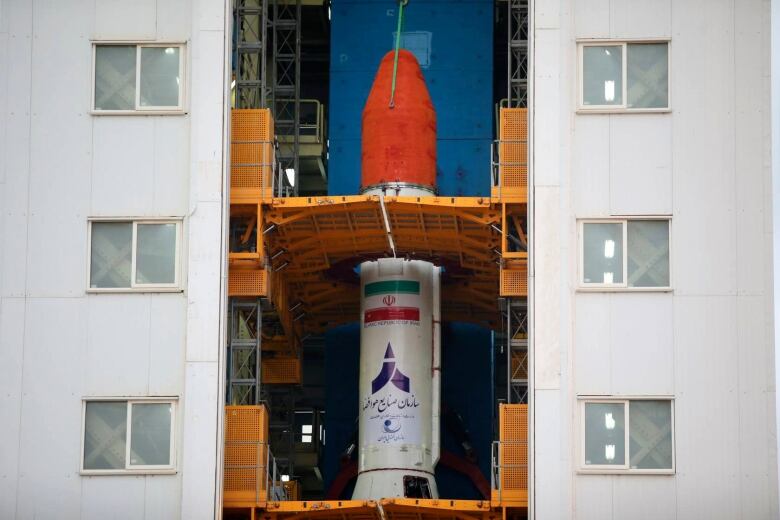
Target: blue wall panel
454, 43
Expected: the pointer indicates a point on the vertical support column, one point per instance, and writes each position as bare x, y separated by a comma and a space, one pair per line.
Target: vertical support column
285, 93
517, 55
251, 23
244, 352
517, 351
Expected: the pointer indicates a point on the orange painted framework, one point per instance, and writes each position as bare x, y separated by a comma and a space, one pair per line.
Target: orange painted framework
301, 243
246, 480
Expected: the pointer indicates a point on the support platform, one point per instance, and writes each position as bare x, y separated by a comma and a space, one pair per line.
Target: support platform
385, 509
310, 245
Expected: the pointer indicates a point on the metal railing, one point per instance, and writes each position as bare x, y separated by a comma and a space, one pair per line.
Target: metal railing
498, 163
505, 475
263, 475
311, 123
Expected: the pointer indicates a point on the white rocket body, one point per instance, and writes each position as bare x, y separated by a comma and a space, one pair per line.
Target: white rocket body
399, 392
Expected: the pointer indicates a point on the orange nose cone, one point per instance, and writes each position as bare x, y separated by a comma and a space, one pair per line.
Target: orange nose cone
399, 143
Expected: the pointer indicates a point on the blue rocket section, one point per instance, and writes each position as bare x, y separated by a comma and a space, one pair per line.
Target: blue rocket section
467, 388
453, 42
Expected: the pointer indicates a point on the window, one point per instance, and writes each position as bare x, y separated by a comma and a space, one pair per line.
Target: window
134, 255
620, 253
628, 435
304, 424
123, 436
138, 78
624, 76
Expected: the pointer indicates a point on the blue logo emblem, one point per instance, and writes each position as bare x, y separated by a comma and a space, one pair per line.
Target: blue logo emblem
389, 374
391, 426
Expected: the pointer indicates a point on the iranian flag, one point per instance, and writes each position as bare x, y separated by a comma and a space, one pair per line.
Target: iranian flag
391, 300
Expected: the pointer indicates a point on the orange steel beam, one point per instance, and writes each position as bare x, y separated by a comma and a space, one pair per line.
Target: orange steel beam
385, 509
314, 234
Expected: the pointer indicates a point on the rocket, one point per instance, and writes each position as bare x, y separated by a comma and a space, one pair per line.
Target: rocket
399, 141
400, 337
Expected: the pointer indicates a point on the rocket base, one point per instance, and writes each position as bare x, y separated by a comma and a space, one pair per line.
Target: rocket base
394, 483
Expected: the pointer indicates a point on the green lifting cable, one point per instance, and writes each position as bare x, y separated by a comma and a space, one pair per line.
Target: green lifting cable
401, 5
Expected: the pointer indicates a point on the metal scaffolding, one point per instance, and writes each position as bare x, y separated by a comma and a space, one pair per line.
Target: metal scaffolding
517, 350
516, 312
244, 352
286, 91
517, 53
251, 22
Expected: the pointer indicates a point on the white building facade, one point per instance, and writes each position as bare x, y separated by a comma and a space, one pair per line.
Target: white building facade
111, 377
111, 257
675, 336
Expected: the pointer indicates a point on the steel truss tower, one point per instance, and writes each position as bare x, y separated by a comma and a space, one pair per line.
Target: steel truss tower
517, 47
517, 350
286, 91
251, 22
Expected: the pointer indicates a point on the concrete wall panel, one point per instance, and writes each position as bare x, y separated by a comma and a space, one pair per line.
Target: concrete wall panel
755, 378
123, 167
13, 249
206, 141
167, 327
120, 20
163, 497
17, 21
174, 18
703, 149
706, 407
3, 99
118, 345
116, 497
50, 451
57, 255
642, 344
550, 455
590, 175
752, 125
592, 344
203, 283
548, 93
171, 166
636, 19
640, 169
591, 19
593, 498
199, 449
11, 337
547, 363
644, 497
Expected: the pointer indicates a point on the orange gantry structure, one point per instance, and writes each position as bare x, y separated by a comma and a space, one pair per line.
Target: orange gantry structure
299, 253
253, 490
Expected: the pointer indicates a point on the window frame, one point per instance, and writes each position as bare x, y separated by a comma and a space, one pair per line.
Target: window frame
138, 109
138, 287
622, 108
132, 469
582, 286
624, 469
